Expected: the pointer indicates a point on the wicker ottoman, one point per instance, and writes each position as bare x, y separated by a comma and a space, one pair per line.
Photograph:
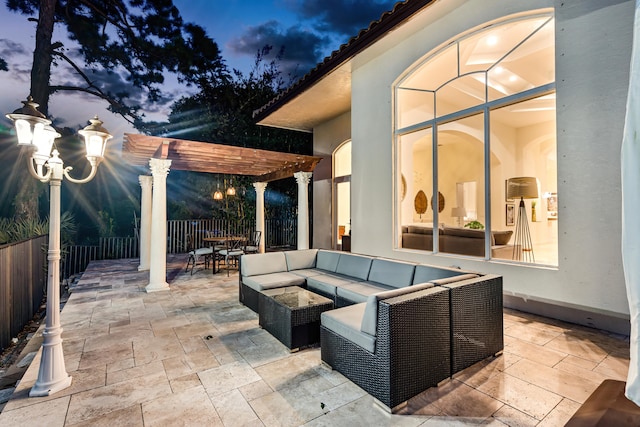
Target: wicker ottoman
292, 315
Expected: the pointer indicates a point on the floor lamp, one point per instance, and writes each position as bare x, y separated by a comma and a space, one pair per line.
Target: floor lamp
524, 187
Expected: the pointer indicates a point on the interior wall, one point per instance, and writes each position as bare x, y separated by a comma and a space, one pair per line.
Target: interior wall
593, 51
326, 139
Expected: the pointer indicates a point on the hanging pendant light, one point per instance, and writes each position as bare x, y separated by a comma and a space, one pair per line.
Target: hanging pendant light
231, 191
218, 194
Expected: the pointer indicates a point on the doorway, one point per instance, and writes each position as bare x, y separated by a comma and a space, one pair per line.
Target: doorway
342, 196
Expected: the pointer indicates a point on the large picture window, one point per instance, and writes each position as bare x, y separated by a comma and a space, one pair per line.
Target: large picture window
469, 118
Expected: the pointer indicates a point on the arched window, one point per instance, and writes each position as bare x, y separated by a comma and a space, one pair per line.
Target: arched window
468, 118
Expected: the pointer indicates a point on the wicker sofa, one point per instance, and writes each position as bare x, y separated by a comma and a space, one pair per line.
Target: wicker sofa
399, 327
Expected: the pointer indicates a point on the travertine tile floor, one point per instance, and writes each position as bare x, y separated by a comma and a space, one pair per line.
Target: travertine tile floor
194, 356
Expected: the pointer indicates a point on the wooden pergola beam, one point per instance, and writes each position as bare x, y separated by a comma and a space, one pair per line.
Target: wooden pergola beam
205, 157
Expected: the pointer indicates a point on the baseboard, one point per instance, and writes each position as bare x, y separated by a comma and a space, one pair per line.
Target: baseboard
603, 320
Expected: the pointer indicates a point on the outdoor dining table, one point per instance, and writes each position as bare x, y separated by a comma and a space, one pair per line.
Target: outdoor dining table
213, 240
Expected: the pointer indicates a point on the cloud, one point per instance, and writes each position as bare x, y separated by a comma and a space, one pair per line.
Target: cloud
302, 49
114, 82
10, 49
17, 59
330, 23
343, 17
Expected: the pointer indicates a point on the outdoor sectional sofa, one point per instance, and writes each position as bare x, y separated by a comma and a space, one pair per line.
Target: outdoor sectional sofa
399, 328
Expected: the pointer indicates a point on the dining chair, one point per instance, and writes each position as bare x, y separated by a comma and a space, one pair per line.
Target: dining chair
253, 243
197, 256
231, 253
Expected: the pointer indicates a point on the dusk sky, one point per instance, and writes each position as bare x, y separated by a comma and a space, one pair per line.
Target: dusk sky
309, 30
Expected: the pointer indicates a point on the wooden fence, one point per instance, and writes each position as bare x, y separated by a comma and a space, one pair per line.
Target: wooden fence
23, 278
279, 233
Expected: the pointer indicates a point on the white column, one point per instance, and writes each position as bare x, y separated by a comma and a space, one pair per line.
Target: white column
145, 221
303, 179
158, 254
260, 187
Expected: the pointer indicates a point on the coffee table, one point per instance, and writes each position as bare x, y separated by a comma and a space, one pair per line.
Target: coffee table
292, 315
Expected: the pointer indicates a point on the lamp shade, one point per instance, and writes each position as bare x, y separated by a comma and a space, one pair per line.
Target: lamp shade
525, 187
95, 137
43, 142
458, 212
29, 123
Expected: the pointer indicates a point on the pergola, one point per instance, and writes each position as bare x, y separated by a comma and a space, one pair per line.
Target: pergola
162, 153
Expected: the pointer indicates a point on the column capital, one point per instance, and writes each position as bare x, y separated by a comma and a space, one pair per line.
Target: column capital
260, 186
145, 181
303, 178
159, 167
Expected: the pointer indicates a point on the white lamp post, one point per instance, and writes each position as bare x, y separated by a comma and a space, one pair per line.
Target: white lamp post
35, 132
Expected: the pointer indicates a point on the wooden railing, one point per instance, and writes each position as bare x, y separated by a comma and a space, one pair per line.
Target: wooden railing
279, 233
23, 264
23, 278
77, 257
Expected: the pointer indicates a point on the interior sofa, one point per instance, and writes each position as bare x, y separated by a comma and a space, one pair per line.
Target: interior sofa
456, 240
398, 327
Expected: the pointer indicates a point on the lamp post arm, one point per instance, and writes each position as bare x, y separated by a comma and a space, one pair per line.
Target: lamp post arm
37, 172
94, 169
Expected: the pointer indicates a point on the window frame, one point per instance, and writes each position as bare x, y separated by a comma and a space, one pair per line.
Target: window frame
484, 108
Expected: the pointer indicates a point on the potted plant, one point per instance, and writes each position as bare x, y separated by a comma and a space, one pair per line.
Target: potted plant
474, 225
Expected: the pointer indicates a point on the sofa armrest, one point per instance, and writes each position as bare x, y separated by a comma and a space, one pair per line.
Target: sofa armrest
370, 316
476, 320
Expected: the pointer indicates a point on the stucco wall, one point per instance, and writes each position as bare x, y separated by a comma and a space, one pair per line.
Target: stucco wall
592, 65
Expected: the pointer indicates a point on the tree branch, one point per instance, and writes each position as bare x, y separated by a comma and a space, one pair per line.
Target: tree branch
94, 90
118, 107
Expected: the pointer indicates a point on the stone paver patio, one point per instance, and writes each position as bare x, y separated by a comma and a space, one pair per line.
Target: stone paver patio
194, 356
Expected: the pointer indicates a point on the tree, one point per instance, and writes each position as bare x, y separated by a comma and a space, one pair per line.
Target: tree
222, 112
133, 41
124, 49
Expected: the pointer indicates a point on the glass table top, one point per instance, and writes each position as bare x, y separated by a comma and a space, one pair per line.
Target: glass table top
296, 297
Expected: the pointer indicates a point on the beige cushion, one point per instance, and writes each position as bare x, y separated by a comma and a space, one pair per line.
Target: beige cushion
254, 264
359, 291
272, 280
326, 283
298, 260
346, 322
428, 273
327, 260
396, 274
356, 266
308, 272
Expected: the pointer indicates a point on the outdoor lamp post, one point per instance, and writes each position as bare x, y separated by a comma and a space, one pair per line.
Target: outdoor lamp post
34, 131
